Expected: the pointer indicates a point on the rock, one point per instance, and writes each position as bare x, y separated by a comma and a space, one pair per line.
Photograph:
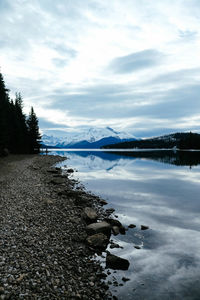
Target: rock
109, 211
90, 215
103, 202
58, 180
122, 230
125, 279
114, 245
131, 226
115, 230
137, 247
100, 227
5, 152
98, 241
144, 227
70, 171
53, 171
113, 222
116, 263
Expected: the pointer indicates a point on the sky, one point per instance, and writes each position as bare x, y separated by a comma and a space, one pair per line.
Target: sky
133, 65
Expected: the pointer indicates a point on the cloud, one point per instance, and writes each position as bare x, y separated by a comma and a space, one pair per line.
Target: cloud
132, 65
136, 61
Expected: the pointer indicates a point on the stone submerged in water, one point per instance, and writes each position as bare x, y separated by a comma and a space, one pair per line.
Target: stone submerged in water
144, 227
116, 263
98, 241
100, 227
131, 226
70, 171
113, 222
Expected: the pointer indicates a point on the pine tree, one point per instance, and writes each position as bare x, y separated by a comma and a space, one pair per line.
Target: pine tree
21, 130
17, 134
33, 132
4, 113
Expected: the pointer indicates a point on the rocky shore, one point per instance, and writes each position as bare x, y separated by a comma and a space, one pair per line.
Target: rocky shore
50, 229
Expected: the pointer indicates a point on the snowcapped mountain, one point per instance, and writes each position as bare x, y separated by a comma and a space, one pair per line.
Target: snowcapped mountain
92, 138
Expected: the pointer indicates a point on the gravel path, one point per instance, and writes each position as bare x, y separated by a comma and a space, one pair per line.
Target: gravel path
42, 249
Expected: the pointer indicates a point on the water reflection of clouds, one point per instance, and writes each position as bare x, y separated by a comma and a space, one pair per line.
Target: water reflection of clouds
169, 270
166, 198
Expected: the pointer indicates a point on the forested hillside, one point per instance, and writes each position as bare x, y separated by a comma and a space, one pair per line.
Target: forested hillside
18, 133
181, 140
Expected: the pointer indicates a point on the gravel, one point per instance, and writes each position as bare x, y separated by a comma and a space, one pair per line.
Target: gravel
43, 254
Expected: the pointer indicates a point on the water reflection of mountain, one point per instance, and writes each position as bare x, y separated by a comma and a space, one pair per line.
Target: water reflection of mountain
178, 158
110, 156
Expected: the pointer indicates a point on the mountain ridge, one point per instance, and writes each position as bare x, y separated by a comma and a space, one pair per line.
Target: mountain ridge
93, 138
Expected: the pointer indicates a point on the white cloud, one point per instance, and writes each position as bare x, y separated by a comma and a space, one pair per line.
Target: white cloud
49, 50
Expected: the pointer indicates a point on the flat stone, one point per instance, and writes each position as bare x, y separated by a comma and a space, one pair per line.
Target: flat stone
131, 226
98, 240
116, 263
137, 247
100, 227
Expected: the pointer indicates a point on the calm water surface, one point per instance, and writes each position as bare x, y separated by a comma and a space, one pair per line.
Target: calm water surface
158, 189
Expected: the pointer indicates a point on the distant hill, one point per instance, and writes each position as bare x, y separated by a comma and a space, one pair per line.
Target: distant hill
181, 140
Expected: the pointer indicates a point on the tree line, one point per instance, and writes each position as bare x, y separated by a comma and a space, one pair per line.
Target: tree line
180, 140
18, 133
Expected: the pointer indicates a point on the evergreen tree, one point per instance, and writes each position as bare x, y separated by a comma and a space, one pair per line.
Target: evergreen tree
33, 132
4, 112
17, 134
21, 130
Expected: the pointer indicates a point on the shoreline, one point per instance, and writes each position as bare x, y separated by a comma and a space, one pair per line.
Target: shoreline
43, 252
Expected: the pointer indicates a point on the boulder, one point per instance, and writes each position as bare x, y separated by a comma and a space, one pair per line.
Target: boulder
122, 230
144, 227
113, 222
115, 230
116, 263
100, 227
90, 215
98, 241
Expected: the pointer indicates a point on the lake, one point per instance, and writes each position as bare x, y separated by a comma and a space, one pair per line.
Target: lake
160, 189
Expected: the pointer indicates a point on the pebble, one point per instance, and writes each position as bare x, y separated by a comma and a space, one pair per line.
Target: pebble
43, 254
